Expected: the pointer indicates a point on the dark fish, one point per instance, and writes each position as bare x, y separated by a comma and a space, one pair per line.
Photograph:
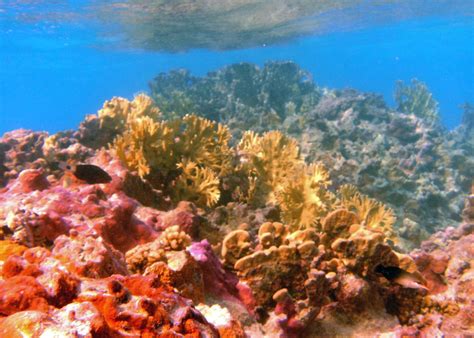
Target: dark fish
401, 277
89, 173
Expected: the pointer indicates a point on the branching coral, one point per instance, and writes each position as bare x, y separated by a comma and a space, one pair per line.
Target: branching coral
304, 198
414, 167
416, 99
191, 150
268, 161
371, 213
196, 184
118, 112
147, 145
277, 174
204, 142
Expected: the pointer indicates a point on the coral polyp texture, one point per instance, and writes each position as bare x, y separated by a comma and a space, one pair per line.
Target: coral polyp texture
207, 229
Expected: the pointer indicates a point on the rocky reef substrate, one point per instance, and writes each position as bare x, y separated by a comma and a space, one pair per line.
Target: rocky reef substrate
204, 233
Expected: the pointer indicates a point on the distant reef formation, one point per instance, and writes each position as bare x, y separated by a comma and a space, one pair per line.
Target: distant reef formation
401, 156
196, 232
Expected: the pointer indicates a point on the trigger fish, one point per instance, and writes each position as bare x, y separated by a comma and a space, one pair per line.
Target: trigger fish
401, 277
89, 173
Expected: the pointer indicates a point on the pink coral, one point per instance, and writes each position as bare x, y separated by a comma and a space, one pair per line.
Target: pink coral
32, 179
217, 281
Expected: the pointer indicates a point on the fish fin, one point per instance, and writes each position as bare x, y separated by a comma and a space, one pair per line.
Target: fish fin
410, 282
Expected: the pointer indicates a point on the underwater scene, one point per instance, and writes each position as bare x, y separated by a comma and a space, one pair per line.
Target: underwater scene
237, 168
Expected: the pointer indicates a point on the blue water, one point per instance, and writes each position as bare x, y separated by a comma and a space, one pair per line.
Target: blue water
51, 78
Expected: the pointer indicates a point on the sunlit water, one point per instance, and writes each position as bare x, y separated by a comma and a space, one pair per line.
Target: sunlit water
60, 61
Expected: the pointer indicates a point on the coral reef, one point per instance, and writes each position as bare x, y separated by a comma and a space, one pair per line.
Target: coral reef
23, 149
196, 234
240, 95
321, 266
191, 151
416, 168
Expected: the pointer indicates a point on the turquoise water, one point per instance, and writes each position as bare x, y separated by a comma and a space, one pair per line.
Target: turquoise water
59, 63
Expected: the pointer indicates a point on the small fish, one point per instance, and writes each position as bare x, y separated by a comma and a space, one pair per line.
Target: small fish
401, 277
89, 173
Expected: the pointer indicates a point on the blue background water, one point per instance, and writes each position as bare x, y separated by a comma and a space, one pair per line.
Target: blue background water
50, 81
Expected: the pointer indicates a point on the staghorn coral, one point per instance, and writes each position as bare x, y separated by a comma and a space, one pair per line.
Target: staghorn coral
371, 213
205, 142
147, 144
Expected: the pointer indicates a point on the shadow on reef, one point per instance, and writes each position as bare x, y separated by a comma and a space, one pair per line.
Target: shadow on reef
402, 156
201, 234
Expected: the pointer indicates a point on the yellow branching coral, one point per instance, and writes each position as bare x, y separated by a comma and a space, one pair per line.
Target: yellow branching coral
304, 198
268, 161
346, 192
162, 145
193, 152
373, 214
147, 144
118, 112
204, 142
277, 174
196, 184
